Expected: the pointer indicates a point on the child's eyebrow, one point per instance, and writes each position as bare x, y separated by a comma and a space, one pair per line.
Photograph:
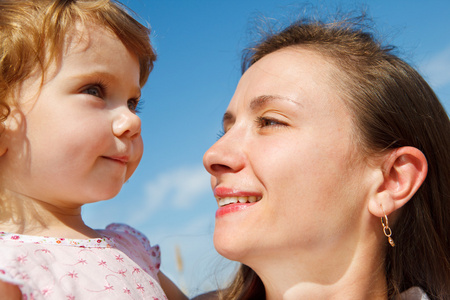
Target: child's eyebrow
105, 77
95, 75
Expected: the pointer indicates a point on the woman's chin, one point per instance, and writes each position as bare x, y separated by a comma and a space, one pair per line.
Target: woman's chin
228, 246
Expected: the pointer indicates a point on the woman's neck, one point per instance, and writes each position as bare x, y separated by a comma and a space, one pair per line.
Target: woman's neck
338, 273
354, 283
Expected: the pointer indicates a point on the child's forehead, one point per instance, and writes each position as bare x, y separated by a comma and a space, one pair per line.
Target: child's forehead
90, 53
87, 46
83, 35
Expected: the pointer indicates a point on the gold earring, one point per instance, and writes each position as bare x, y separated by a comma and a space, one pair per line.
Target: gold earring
386, 229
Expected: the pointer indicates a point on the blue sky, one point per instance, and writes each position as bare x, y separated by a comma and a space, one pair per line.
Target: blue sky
199, 45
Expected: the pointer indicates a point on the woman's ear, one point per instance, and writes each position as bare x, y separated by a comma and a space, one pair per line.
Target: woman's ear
404, 170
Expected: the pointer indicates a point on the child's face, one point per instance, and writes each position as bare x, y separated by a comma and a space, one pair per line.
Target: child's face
78, 139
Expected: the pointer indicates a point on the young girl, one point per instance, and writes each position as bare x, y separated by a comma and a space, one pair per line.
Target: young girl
71, 74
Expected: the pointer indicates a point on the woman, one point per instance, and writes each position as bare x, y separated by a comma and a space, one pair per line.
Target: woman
328, 133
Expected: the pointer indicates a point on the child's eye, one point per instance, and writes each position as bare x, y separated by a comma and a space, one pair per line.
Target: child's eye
135, 105
266, 122
94, 90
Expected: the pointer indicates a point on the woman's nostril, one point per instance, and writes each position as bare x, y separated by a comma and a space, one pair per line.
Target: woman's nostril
220, 168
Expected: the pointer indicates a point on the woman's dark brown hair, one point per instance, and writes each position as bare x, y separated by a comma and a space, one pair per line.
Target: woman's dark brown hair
392, 106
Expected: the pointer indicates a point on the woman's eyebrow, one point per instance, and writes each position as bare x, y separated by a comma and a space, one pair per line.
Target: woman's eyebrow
227, 118
260, 101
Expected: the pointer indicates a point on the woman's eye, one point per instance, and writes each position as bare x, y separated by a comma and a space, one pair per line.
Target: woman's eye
266, 122
95, 90
220, 134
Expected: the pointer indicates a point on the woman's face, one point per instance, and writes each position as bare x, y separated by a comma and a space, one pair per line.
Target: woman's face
287, 162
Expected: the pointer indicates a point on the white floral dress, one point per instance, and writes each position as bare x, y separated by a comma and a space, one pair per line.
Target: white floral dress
120, 265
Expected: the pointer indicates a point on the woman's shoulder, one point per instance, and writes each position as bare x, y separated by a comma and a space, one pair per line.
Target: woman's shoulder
414, 293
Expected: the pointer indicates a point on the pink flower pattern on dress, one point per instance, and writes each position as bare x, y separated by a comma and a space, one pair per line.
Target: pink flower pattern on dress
102, 263
119, 258
44, 250
46, 292
109, 287
21, 259
120, 263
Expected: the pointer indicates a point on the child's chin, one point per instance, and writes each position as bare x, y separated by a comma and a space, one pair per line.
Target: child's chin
104, 196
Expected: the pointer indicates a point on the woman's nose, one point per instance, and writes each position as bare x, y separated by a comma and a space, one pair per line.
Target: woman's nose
225, 156
126, 124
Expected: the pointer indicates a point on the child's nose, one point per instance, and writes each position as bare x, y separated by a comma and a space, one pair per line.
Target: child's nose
126, 124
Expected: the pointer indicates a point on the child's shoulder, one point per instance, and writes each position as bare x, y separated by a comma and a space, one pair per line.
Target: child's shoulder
131, 239
62, 264
120, 232
121, 228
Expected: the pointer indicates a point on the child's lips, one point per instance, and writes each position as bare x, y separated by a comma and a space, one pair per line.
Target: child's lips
123, 159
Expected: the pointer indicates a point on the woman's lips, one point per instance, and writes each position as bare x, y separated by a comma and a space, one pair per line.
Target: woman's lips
223, 192
233, 200
232, 208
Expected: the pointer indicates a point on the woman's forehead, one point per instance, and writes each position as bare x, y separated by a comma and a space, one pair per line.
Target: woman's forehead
300, 75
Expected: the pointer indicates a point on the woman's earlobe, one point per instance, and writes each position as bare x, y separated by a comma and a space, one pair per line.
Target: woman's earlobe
404, 171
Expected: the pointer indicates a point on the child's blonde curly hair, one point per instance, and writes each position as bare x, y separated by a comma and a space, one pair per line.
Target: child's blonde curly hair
33, 34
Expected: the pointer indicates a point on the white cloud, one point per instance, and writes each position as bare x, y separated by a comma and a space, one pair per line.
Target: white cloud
436, 69
188, 185
179, 189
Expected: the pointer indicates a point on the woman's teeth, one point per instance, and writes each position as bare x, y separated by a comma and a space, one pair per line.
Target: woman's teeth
232, 200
